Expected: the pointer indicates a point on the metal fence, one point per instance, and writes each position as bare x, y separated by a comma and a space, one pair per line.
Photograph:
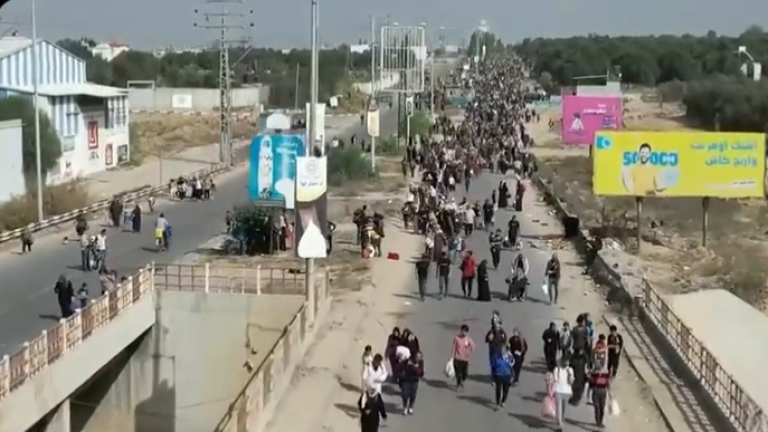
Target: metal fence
16, 369
737, 405
249, 280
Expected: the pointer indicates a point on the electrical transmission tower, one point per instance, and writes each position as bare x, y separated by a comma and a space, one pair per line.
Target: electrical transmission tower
223, 18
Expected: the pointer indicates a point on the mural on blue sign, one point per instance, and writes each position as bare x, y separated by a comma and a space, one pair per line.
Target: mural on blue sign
273, 167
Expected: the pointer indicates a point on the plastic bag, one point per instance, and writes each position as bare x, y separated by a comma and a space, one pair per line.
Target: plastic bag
449, 371
545, 289
613, 407
548, 409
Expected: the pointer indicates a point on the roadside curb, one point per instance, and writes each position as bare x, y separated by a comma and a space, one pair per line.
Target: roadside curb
662, 399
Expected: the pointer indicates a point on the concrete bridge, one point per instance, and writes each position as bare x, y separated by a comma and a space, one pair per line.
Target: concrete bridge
169, 349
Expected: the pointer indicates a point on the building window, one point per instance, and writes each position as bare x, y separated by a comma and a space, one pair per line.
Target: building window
121, 117
109, 117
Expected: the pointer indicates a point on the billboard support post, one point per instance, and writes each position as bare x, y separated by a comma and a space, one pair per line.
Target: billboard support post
639, 222
704, 220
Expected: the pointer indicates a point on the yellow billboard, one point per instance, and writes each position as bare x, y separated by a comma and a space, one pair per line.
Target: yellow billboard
679, 164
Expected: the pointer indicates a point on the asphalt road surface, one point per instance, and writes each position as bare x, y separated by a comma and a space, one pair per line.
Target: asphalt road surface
27, 301
436, 322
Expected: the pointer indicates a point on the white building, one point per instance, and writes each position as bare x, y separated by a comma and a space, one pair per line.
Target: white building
11, 161
108, 51
91, 120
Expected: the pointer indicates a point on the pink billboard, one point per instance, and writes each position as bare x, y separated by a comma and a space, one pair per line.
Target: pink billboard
583, 116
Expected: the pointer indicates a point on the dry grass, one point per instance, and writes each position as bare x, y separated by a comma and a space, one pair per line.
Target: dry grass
171, 133
672, 254
57, 200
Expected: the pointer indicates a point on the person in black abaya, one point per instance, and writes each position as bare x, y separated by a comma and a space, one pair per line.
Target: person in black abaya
483, 283
503, 195
372, 411
136, 219
115, 211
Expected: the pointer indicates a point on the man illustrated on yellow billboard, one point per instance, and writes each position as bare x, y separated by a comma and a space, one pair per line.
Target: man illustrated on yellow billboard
642, 177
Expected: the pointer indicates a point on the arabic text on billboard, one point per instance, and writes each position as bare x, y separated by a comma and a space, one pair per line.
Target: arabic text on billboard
679, 164
583, 116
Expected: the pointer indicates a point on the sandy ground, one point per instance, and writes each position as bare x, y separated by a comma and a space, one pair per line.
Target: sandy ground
672, 255
331, 370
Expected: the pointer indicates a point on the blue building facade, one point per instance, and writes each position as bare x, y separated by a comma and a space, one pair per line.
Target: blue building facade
91, 120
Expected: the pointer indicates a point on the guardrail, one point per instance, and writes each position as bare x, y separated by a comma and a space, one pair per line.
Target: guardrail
721, 386
36, 354
100, 205
735, 403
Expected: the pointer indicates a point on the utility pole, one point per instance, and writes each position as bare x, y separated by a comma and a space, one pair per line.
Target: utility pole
296, 89
225, 20
372, 47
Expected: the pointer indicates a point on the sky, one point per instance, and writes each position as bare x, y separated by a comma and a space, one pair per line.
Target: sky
147, 24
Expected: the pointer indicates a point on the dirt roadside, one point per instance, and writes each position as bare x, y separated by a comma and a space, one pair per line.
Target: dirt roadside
331, 369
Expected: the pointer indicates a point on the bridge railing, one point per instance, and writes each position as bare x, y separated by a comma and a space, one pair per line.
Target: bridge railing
272, 279
52, 344
737, 405
34, 355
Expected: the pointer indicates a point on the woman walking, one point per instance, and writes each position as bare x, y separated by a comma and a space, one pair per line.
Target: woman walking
502, 365
562, 380
372, 410
412, 372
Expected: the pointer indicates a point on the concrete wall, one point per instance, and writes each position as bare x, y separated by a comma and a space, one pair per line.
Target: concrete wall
193, 99
384, 82
183, 375
610, 89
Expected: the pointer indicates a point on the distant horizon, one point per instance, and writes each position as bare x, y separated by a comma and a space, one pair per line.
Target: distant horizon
148, 25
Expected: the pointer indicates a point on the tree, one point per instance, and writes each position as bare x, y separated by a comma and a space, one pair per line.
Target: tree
253, 229
702, 72
485, 39
50, 147
420, 125
276, 68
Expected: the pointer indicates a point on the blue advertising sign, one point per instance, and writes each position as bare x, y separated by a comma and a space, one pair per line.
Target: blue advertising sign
273, 167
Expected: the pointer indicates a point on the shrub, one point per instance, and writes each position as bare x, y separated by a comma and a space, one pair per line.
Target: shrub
57, 200
252, 228
348, 164
388, 146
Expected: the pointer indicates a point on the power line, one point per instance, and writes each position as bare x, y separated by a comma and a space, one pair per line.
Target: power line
225, 18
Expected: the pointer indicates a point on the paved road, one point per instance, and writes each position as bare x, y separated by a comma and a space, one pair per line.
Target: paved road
27, 302
438, 406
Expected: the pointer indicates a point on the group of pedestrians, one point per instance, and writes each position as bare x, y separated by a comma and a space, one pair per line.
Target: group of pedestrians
578, 363
406, 370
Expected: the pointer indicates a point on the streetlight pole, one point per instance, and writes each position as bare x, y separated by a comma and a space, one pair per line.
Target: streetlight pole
372, 46
311, 127
432, 72
36, 96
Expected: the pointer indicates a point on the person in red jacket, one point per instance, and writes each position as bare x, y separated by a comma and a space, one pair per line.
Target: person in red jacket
468, 268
